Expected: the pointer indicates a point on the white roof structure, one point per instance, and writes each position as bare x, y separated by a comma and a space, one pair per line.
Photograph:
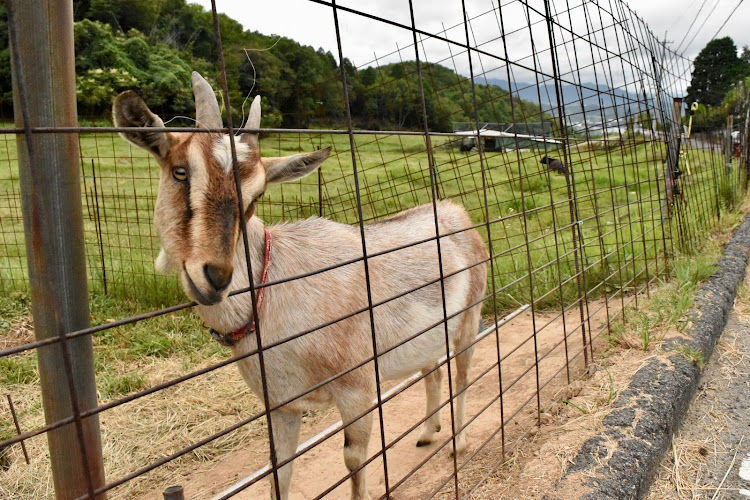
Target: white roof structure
497, 133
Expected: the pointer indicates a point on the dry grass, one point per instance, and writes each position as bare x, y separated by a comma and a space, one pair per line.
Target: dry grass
682, 474
140, 432
20, 331
542, 458
155, 426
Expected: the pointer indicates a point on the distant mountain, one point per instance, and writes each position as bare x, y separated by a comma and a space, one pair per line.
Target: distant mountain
598, 101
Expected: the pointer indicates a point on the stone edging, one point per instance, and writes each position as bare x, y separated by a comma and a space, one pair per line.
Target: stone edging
620, 462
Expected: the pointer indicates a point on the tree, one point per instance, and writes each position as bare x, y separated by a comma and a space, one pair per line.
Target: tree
745, 55
152, 46
108, 63
716, 69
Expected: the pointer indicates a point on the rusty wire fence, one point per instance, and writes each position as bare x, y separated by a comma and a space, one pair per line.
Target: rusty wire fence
570, 249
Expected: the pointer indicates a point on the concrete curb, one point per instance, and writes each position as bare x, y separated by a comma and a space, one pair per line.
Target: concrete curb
621, 461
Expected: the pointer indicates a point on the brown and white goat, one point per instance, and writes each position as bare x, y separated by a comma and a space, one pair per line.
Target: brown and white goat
198, 222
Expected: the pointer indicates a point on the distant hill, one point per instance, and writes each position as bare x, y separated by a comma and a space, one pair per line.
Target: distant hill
152, 47
597, 100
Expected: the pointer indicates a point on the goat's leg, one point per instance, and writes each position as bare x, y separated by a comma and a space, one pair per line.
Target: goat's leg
463, 363
285, 436
432, 424
356, 439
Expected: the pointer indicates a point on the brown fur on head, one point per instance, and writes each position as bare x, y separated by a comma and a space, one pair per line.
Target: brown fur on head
197, 211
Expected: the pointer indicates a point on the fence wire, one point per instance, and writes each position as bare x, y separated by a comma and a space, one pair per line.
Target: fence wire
571, 246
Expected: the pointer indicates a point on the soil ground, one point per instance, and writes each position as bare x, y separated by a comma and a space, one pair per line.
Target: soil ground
710, 455
522, 461
322, 466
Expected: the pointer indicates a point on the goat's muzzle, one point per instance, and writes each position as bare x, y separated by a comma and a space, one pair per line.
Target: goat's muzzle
206, 284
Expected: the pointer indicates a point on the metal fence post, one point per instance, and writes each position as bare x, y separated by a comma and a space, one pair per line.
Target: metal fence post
174, 493
44, 94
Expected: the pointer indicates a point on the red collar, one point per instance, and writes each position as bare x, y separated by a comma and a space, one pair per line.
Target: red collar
229, 339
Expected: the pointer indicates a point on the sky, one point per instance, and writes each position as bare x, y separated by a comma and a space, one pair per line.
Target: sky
369, 42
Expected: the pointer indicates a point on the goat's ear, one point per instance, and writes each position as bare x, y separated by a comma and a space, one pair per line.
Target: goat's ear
290, 168
129, 110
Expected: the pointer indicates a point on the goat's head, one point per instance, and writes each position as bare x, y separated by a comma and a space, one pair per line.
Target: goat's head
197, 214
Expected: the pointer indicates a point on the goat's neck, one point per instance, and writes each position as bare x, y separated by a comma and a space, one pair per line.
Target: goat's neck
234, 312
256, 240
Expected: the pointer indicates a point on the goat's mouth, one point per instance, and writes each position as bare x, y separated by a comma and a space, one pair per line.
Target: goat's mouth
204, 298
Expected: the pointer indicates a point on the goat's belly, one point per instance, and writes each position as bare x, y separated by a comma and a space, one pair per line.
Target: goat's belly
403, 349
416, 354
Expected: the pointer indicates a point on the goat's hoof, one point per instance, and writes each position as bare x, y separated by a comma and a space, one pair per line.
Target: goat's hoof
460, 449
426, 436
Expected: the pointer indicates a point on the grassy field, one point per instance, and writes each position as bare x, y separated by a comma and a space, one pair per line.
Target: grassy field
625, 239
618, 194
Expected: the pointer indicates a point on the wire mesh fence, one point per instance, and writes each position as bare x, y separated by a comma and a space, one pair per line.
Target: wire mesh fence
572, 241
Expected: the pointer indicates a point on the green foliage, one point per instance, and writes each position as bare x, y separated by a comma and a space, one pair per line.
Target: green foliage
708, 118
390, 96
108, 63
152, 47
716, 69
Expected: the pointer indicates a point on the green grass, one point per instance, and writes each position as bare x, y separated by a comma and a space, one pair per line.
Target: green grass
117, 350
664, 311
624, 239
623, 232
112, 385
18, 370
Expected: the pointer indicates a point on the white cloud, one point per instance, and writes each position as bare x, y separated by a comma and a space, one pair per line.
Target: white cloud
364, 39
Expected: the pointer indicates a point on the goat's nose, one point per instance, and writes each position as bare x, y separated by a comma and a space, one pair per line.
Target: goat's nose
218, 276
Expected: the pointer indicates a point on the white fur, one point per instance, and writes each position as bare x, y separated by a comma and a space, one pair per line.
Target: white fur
305, 304
163, 265
223, 152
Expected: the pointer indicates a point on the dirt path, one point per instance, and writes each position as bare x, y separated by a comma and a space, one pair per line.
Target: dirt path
322, 466
710, 456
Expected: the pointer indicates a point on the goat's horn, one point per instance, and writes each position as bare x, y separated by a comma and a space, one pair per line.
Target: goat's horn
253, 121
207, 111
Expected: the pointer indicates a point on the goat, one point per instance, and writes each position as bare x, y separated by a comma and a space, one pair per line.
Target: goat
198, 221
554, 165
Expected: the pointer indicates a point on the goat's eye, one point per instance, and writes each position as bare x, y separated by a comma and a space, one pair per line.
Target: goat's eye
179, 173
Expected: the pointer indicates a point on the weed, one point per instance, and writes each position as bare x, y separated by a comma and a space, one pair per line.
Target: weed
691, 354
616, 334
611, 391
645, 324
569, 402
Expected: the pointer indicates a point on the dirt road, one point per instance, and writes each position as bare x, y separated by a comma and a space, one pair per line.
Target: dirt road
710, 457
